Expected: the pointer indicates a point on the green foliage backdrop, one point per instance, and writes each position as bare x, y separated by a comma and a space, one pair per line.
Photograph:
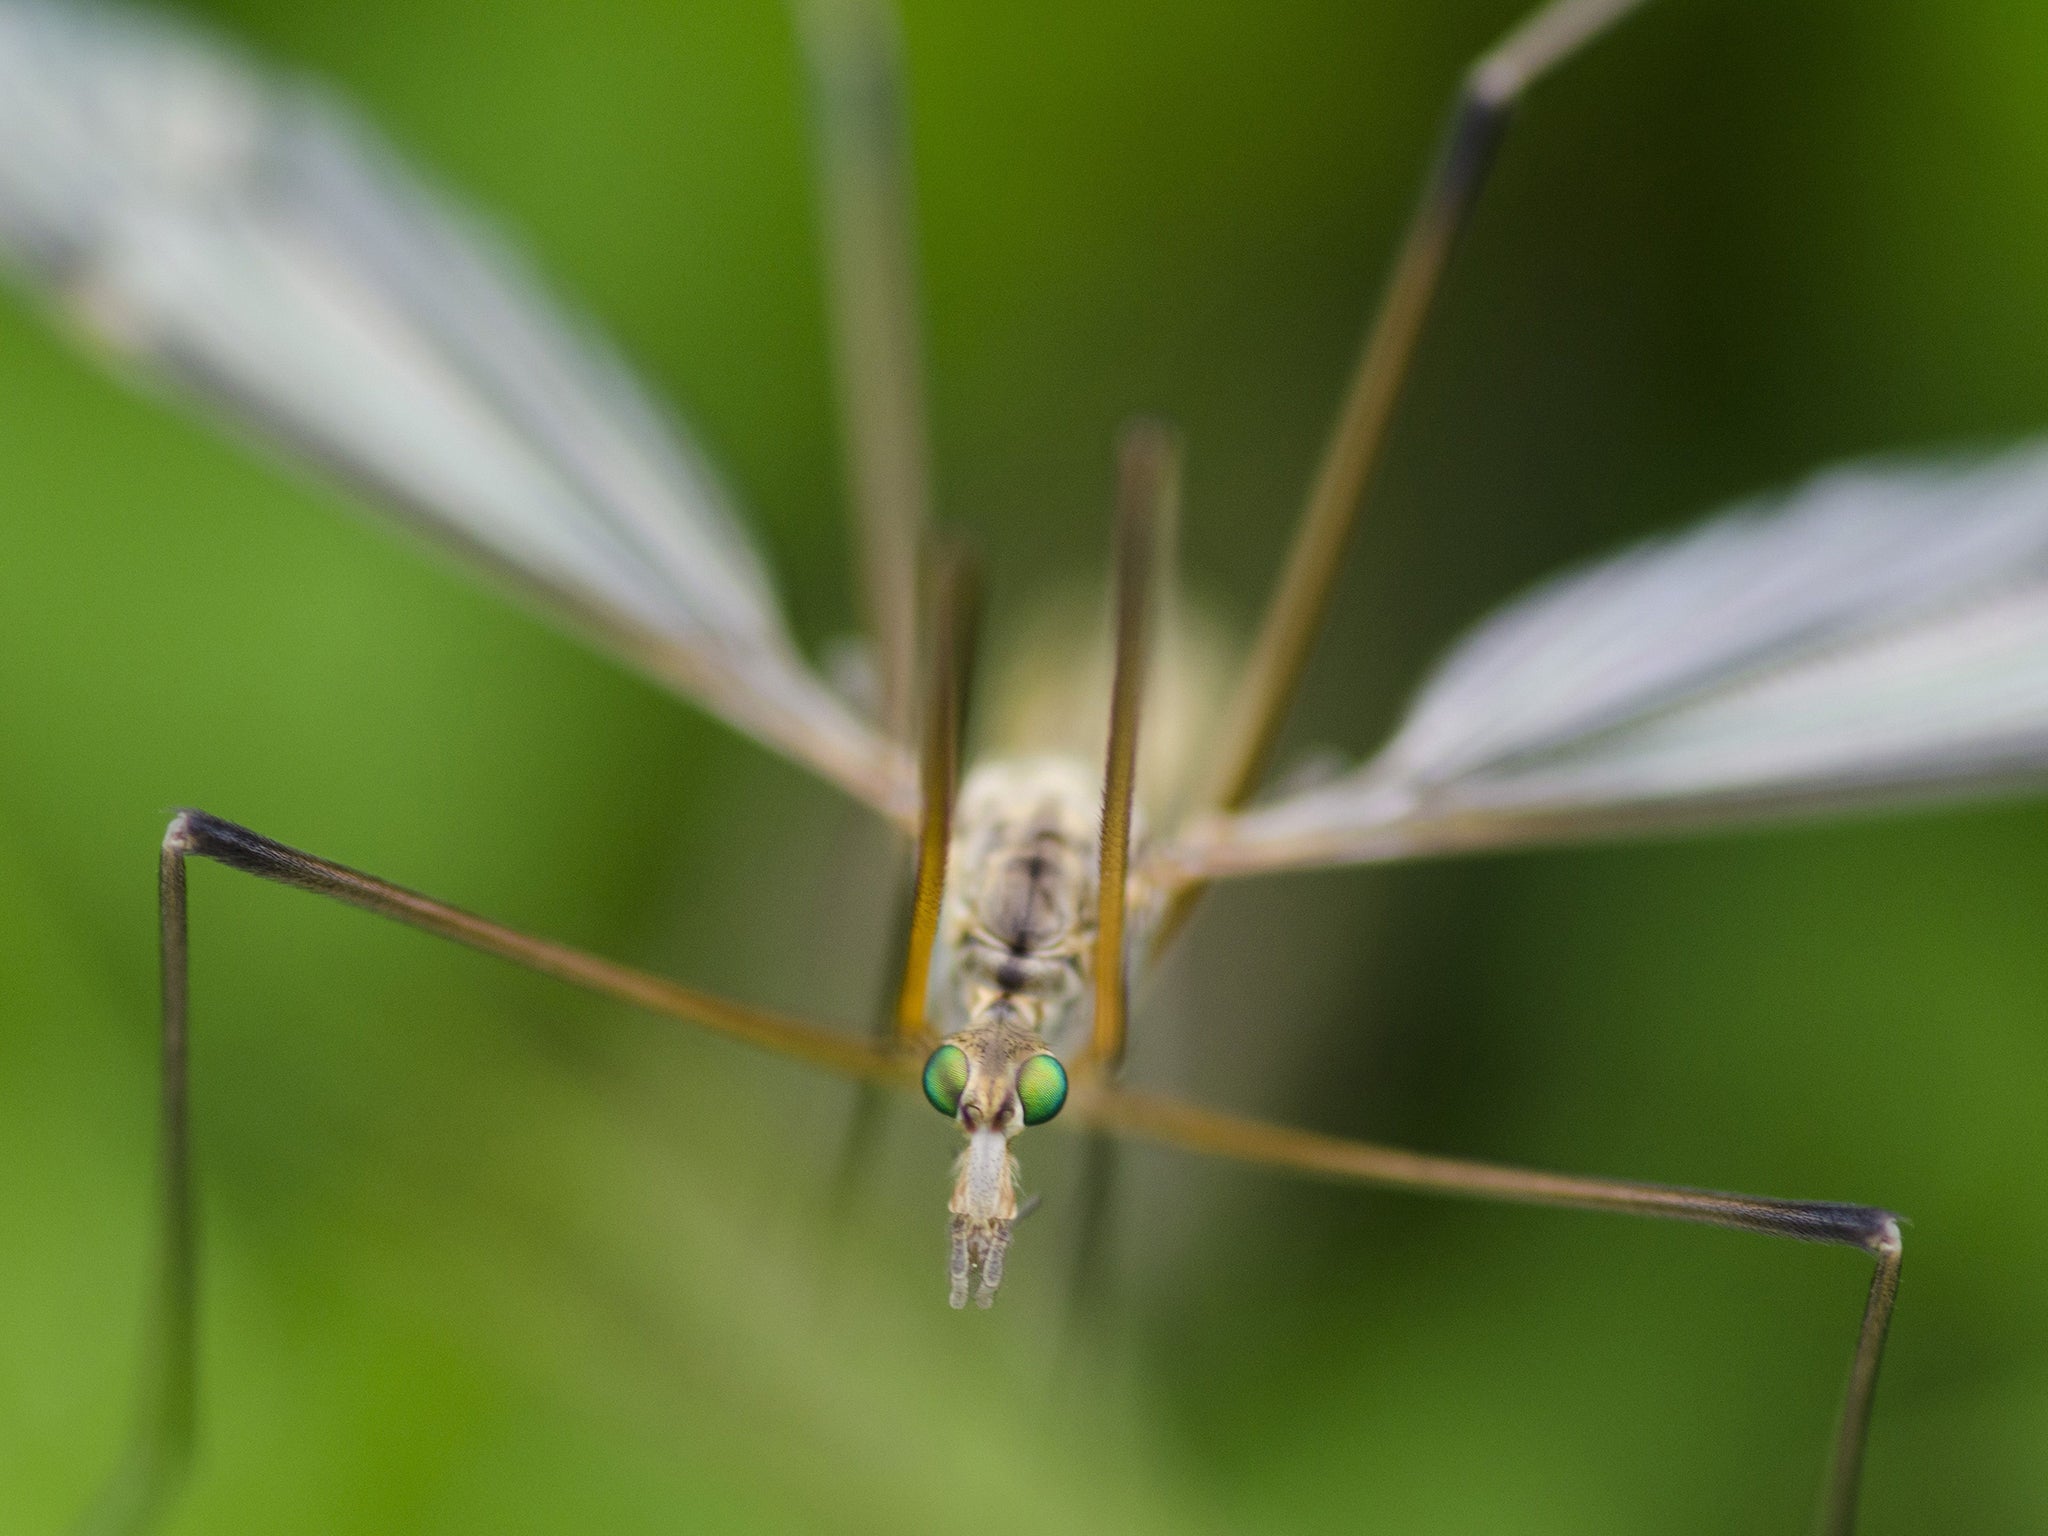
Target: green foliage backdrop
486, 1256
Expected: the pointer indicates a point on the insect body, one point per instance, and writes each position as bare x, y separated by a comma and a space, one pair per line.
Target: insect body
1020, 932
1021, 893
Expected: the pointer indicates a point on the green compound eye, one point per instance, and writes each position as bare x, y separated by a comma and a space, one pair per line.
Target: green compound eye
1041, 1088
945, 1078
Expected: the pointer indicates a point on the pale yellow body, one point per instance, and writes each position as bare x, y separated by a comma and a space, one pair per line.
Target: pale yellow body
1013, 973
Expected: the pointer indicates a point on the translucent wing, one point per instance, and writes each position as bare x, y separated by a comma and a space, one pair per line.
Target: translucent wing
247, 240
1880, 634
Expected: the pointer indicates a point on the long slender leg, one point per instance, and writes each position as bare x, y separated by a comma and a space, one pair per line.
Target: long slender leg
160, 1450
160, 1444
1192, 1128
1148, 508
952, 659
1294, 614
858, 109
1148, 500
954, 611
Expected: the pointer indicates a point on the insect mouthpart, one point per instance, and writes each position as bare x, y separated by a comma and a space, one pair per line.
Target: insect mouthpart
993, 1084
984, 1208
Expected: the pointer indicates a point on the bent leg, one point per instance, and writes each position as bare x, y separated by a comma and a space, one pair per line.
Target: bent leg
1192, 1128
160, 1449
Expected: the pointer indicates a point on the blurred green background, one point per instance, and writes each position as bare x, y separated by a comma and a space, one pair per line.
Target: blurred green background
485, 1256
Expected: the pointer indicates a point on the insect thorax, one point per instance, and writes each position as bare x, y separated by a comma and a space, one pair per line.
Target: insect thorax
1018, 927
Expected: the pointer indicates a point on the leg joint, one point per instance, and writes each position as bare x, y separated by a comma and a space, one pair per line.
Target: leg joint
178, 836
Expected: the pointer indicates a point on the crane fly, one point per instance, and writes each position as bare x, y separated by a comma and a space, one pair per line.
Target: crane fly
1876, 635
